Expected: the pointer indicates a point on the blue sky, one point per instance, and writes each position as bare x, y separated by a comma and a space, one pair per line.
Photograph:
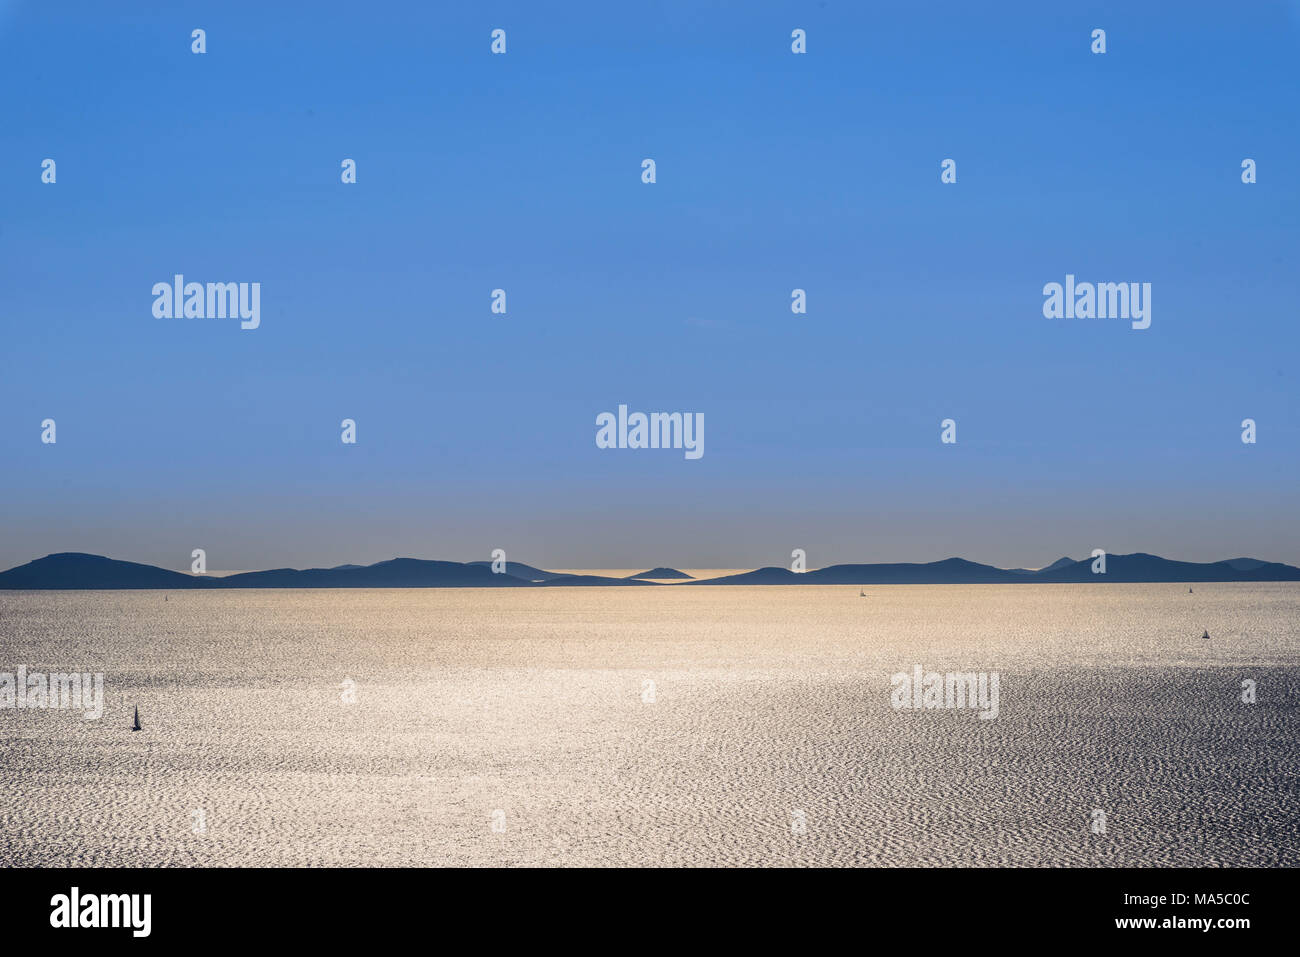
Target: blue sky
522, 171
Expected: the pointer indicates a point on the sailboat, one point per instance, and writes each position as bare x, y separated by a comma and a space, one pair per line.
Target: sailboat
136, 727
1206, 635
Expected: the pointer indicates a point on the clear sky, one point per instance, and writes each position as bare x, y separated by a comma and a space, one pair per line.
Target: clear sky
523, 171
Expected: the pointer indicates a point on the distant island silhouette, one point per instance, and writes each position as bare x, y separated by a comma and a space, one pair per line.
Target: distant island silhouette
77, 570
662, 573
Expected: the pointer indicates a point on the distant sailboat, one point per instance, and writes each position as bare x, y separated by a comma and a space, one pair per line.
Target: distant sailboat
1206, 635
136, 727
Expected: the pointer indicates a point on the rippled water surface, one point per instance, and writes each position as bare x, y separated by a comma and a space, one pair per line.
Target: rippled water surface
656, 726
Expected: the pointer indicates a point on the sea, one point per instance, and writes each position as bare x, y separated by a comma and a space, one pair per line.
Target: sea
685, 725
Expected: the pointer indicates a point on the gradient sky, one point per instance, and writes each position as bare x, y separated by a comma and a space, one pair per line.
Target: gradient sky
775, 171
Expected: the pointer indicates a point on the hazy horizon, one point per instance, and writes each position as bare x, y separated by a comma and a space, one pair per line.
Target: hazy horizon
620, 571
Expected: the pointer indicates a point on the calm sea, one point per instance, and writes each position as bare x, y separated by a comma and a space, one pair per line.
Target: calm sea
656, 726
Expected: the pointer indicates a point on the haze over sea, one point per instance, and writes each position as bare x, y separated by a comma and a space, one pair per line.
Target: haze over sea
766, 701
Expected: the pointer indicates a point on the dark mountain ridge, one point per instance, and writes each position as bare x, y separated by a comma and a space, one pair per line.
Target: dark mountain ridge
77, 570
1138, 567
